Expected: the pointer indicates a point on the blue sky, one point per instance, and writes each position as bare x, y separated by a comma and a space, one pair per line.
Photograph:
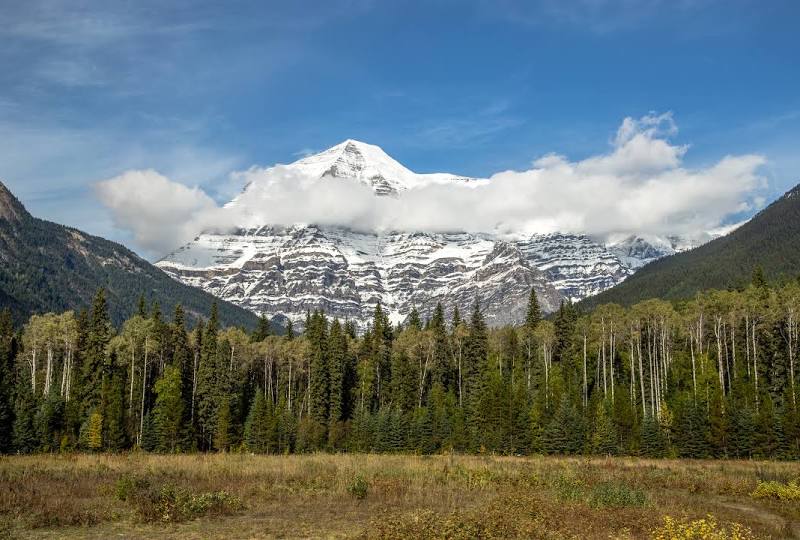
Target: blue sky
89, 90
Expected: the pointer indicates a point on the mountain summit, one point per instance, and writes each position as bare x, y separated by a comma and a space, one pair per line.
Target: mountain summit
370, 165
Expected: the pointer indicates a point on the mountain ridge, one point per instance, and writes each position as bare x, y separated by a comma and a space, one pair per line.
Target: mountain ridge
46, 266
770, 239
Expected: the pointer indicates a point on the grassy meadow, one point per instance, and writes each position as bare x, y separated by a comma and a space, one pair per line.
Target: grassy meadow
393, 496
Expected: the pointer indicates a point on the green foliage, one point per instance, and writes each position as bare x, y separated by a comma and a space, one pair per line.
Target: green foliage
168, 412
358, 487
168, 503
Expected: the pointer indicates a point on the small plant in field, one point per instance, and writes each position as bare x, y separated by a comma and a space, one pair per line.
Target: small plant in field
358, 487
169, 503
701, 529
568, 488
777, 491
615, 495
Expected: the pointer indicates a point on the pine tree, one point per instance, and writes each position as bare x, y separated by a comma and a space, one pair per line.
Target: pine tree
8, 352
319, 373
262, 331
207, 392
222, 434
564, 432
337, 358
94, 353
259, 429
168, 413
113, 410
414, 320
604, 438
534, 313
653, 442
24, 432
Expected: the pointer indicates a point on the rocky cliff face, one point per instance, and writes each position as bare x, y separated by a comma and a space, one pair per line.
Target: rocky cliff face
289, 270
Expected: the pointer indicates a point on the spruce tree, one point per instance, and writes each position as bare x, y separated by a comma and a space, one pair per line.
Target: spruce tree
8, 353
337, 357
259, 429
207, 392
262, 330
168, 414
534, 313
653, 444
94, 353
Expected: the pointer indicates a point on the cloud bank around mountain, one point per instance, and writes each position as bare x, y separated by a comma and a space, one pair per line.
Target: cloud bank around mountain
639, 186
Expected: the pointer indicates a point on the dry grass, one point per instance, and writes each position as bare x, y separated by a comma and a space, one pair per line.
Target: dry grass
373, 496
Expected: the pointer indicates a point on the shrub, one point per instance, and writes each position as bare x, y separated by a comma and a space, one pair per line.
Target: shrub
616, 495
169, 503
358, 487
701, 529
776, 490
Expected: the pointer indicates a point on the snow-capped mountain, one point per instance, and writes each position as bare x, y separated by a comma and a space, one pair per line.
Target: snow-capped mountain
280, 270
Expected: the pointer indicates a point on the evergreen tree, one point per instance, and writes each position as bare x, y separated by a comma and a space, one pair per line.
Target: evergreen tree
564, 433
534, 313
8, 353
653, 442
604, 437
262, 331
94, 354
207, 391
168, 413
222, 434
337, 360
259, 430
113, 410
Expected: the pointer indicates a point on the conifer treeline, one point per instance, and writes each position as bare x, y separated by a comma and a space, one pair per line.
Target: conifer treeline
713, 377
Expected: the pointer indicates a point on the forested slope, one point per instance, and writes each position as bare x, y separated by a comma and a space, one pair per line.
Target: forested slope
770, 240
49, 267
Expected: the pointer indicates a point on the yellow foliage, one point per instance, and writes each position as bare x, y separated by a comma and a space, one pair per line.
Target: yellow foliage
701, 529
776, 490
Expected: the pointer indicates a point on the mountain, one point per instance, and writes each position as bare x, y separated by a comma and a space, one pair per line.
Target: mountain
370, 165
49, 267
771, 239
290, 270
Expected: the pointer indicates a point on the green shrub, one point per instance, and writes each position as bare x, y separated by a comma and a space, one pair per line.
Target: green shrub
616, 495
358, 487
169, 503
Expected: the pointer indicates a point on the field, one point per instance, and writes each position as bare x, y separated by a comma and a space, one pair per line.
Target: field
385, 496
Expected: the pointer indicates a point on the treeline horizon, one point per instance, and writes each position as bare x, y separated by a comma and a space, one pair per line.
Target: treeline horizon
713, 377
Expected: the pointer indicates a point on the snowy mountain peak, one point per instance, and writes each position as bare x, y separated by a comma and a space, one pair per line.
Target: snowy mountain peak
368, 164
358, 160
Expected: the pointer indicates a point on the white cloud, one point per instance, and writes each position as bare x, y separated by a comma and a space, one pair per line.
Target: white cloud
160, 213
639, 186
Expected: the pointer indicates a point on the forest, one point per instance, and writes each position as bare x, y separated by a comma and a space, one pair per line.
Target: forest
710, 377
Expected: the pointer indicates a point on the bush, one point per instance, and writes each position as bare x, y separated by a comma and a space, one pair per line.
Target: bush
169, 503
701, 529
777, 491
616, 496
358, 487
